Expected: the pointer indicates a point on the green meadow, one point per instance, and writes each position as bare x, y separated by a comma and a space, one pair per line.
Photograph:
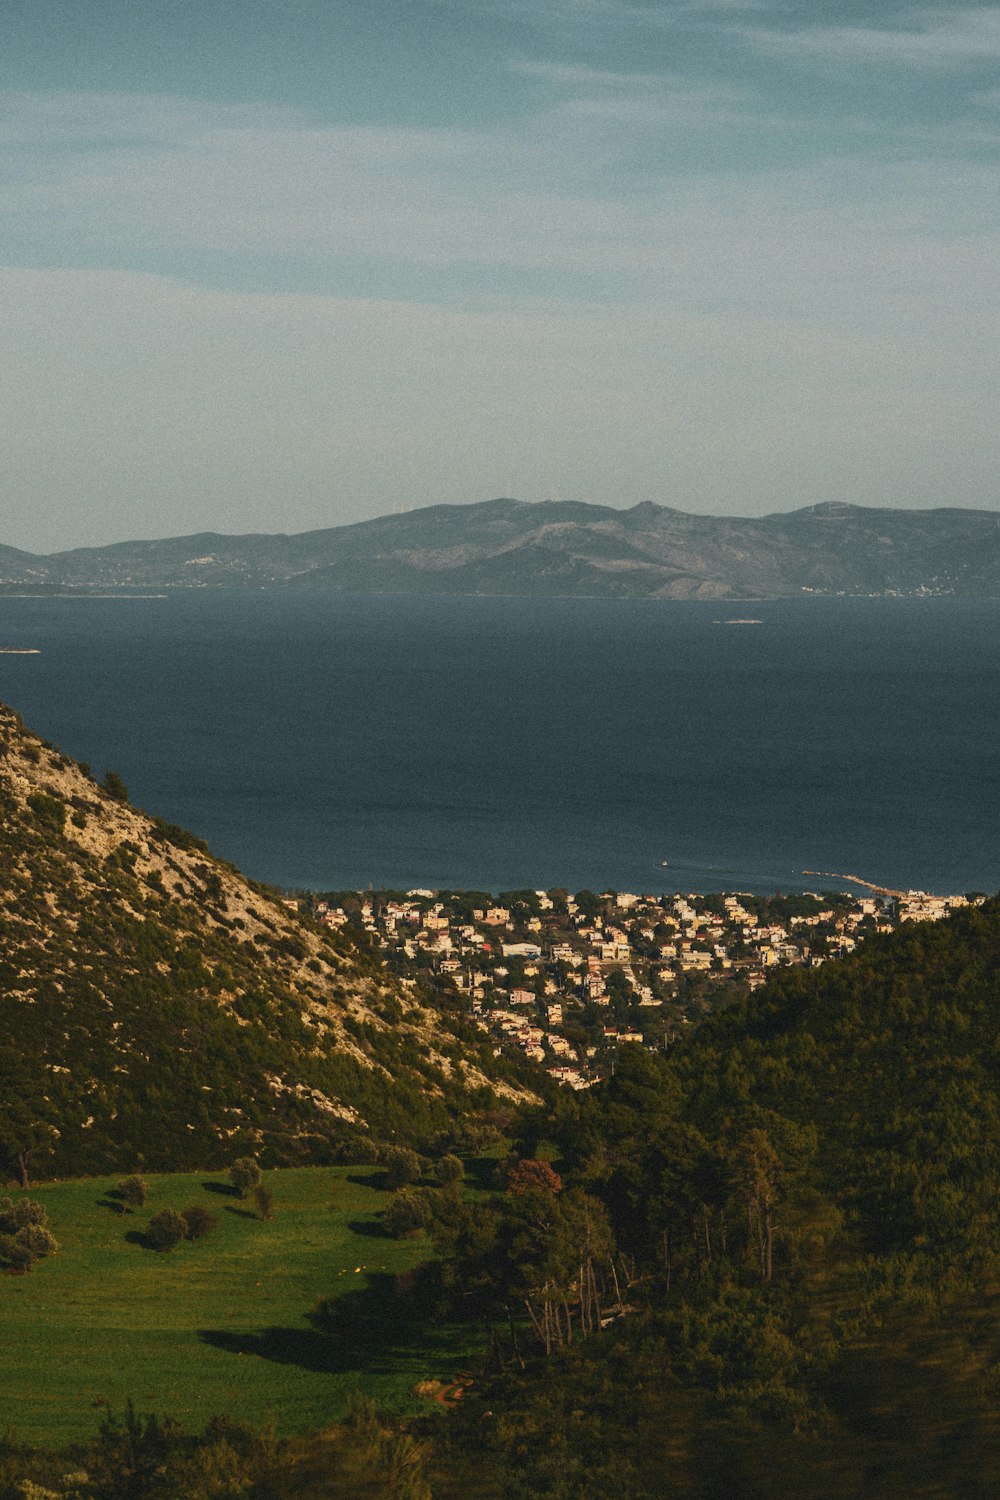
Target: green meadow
218, 1325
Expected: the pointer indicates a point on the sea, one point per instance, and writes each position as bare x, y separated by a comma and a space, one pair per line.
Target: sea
332, 742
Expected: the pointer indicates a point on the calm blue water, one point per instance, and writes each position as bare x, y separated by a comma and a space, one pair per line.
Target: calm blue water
330, 742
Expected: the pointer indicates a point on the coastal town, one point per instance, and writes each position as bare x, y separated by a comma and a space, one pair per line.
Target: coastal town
568, 979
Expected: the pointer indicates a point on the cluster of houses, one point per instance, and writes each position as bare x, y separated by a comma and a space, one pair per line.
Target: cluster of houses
568, 979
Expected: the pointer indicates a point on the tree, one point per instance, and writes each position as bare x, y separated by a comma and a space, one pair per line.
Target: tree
530, 1176
133, 1191
757, 1169
245, 1175
448, 1170
24, 1134
556, 1251
114, 786
406, 1213
131, 1454
198, 1221
264, 1199
402, 1166
588, 904
166, 1229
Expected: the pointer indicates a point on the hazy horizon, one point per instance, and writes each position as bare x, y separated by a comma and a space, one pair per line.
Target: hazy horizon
203, 531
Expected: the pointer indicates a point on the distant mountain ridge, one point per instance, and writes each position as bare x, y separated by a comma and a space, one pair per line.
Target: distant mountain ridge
514, 547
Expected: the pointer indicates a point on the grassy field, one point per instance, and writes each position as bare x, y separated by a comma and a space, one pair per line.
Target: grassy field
217, 1325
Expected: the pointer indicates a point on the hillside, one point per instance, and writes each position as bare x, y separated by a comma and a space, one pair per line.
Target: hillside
157, 1009
805, 1196
563, 548
762, 1264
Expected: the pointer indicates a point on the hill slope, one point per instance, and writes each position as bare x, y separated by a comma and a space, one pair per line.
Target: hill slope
564, 548
805, 1195
157, 1009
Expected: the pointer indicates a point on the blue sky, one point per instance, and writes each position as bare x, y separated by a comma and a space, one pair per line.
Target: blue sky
269, 266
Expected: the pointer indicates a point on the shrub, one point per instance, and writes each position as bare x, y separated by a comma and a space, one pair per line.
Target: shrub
132, 1191
407, 1213
448, 1170
166, 1229
170, 833
37, 1240
16, 1213
245, 1174
13, 1255
198, 1221
114, 786
264, 1199
402, 1166
48, 811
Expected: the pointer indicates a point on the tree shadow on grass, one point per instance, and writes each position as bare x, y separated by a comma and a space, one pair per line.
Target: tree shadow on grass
225, 1189
482, 1170
369, 1330
136, 1237
376, 1179
241, 1213
366, 1227
113, 1201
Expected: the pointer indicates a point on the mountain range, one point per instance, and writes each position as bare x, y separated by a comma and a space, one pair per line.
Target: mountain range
561, 548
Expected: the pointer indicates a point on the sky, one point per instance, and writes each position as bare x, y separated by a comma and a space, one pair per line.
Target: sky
269, 265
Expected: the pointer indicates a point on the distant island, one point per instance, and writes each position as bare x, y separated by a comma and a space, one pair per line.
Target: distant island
560, 549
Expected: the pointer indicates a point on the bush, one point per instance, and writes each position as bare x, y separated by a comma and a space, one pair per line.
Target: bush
198, 1221
14, 1256
48, 811
132, 1191
16, 1213
402, 1166
166, 1229
245, 1175
37, 1240
448, 1170
407, 1213
114, 786
264, 1199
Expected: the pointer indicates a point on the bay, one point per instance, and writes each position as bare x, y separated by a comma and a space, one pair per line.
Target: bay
336, 741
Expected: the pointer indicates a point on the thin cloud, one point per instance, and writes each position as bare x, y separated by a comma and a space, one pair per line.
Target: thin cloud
577, 76
163, 179
584, 82
929, 39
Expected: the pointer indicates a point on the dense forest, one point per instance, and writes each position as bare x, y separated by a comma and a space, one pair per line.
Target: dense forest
803, 1199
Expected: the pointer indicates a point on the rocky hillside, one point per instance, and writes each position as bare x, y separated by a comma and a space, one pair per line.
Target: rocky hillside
564, 548
158, 1010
